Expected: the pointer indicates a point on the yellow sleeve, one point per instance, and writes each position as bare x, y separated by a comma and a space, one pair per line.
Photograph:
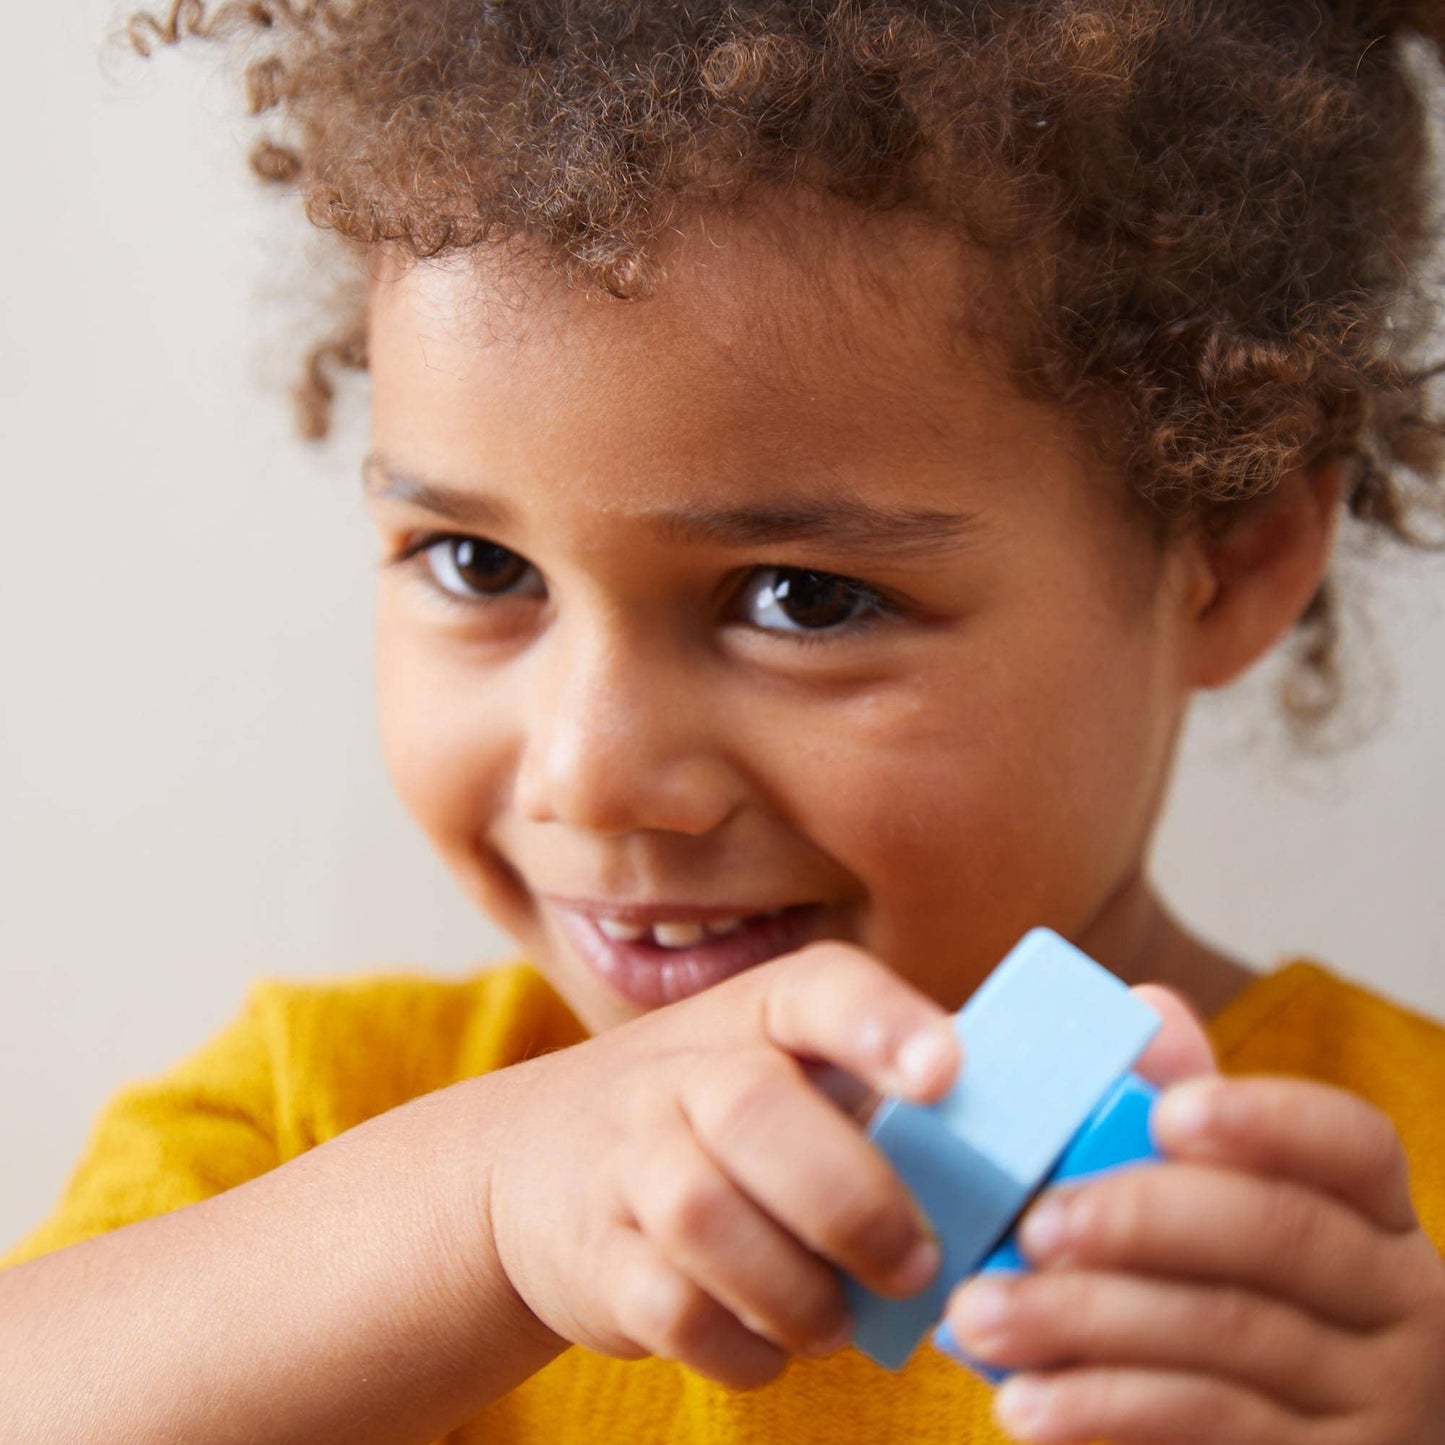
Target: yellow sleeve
301, 1064
205, 1126
1303, 1020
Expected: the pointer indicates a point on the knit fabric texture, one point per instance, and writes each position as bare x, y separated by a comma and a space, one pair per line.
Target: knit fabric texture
306, 1060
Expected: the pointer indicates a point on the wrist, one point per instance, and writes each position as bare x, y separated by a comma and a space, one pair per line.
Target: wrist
487, 1324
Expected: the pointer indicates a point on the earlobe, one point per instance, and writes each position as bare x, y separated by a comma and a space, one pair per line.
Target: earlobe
1251, 583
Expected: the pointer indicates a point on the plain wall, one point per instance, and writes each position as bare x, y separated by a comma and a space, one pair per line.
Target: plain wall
193, 790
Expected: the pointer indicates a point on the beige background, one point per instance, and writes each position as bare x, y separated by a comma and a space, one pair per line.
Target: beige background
192, 789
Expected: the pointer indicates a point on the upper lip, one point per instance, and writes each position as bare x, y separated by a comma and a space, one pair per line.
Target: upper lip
647, 913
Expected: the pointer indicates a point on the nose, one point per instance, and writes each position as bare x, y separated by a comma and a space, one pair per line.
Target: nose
619, 736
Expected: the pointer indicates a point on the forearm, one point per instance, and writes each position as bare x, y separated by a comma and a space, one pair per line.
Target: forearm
351, 1295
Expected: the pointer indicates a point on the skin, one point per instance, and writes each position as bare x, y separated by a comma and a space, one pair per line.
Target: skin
989, 754
939, 781
622, 727
1271, 1283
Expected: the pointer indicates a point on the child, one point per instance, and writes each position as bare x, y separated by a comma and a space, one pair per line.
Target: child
818, 452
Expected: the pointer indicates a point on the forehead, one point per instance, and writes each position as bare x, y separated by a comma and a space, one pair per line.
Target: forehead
808, 272
786, 346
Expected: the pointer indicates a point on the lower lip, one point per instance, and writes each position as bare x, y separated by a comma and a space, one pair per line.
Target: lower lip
645, 973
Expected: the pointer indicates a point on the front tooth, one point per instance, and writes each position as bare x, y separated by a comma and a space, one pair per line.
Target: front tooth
719, 926
678, 935
620, 932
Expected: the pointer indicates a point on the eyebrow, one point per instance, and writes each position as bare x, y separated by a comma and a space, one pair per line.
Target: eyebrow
382, 483
848, 523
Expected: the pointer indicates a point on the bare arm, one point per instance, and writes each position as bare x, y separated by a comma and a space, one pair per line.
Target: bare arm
674, 1187
351, 1295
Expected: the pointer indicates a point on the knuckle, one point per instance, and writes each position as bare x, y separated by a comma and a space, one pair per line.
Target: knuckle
787, 984
1080, 1312
870, 1225
1397, 1380
1092, 1400
755, 1372
1115, 1214
840, 968
746, 1108
662, 1311
1292, 1241
830, 955
1375, 1149
816, 1313
1232, 1314
1432, 1285
1121, 1404
688, 1209
644, 1304
1047, 1307
1380, 1147
690, 1326
1414, 1266
1386, 1163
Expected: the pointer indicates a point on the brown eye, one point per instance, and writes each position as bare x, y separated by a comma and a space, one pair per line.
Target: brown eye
791, 599
474, 567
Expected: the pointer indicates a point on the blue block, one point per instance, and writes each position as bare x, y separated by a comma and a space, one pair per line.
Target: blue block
1044, 1037
1115, 1134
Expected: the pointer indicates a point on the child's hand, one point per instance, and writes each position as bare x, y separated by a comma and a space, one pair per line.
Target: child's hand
1268, 1286
678, 1187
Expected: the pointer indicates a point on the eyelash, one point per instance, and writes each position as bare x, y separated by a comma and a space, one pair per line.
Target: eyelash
412, 557
876, 607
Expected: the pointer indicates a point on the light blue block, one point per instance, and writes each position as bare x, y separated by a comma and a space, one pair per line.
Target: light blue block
1115, 1134
1044, 1037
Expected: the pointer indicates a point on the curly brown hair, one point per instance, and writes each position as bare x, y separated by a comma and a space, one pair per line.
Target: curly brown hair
1216, 215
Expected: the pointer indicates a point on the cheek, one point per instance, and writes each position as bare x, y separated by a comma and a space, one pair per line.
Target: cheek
444, 740
920, 789
1013, 789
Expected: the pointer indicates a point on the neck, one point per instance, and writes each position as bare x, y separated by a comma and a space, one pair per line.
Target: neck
1136, 937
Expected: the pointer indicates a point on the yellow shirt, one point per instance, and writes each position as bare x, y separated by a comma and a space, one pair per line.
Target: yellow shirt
306, 1061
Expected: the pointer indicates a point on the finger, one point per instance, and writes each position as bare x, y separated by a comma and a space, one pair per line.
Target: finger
1143, 1407
1293, 1129
1195, 1221
657, 1310
847, 1204
1055, 1318
839, 1004
851, 1095
720, 1239
1181, 1048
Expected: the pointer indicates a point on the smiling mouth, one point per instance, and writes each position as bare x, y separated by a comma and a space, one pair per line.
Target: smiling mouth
677, 933
660, 959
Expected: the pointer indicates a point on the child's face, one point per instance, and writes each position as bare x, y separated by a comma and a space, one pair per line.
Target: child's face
651, 707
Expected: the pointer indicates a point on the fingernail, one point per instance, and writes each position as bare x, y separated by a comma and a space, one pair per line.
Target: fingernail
840, 1337
922, 1221
923, 1058
918, 1267
1021, 1403
1045, 1228
1187, 1109
982, 1307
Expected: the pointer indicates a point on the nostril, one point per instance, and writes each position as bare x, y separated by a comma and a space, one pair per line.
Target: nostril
607, 791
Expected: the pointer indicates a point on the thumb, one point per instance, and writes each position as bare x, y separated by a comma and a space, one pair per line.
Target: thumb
1181, 1048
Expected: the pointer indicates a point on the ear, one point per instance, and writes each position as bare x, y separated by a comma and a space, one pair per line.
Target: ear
1248, 586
